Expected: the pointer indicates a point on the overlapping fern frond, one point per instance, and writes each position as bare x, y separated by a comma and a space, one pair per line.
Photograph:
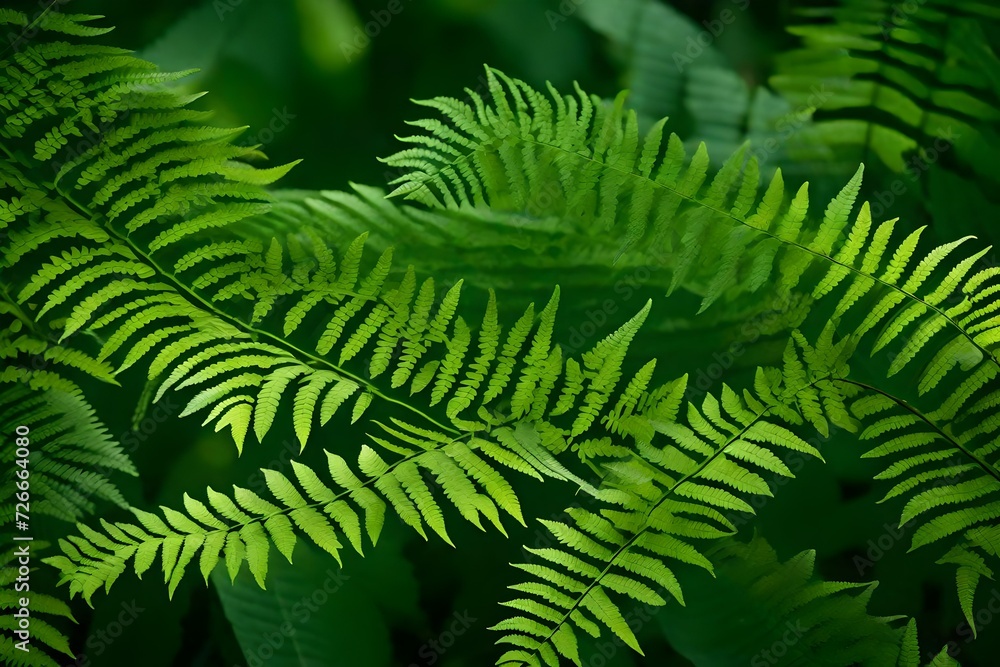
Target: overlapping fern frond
674, 69
243, 529
106, 173
910, 85
523, 252
690, 486
154, 246
691, 469
520, 253
654, 41
539, 425
897, 77
721, 228
72, 456
55, 447
948, 473
588, 162
115, 247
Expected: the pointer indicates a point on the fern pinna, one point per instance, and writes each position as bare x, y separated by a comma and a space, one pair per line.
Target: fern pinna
153, 248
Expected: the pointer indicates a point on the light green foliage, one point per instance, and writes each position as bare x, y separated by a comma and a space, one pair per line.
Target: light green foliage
242, 530
945, 476
158, 250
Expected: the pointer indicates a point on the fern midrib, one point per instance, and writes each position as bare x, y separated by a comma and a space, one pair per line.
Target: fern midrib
663, 498
975, 458
279, 340
204, 304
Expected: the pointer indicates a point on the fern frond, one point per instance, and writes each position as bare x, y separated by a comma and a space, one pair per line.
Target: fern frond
58, 449
671, 495
44, 610
72, 458
944, 311
652, 38
138, 207
948, 474
158, 245
225, 356
242, 528
875, 75
824, 623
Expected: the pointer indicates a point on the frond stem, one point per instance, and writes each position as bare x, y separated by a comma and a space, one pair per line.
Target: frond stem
991, 470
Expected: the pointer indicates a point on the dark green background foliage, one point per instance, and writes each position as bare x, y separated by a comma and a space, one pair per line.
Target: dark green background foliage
816, 88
